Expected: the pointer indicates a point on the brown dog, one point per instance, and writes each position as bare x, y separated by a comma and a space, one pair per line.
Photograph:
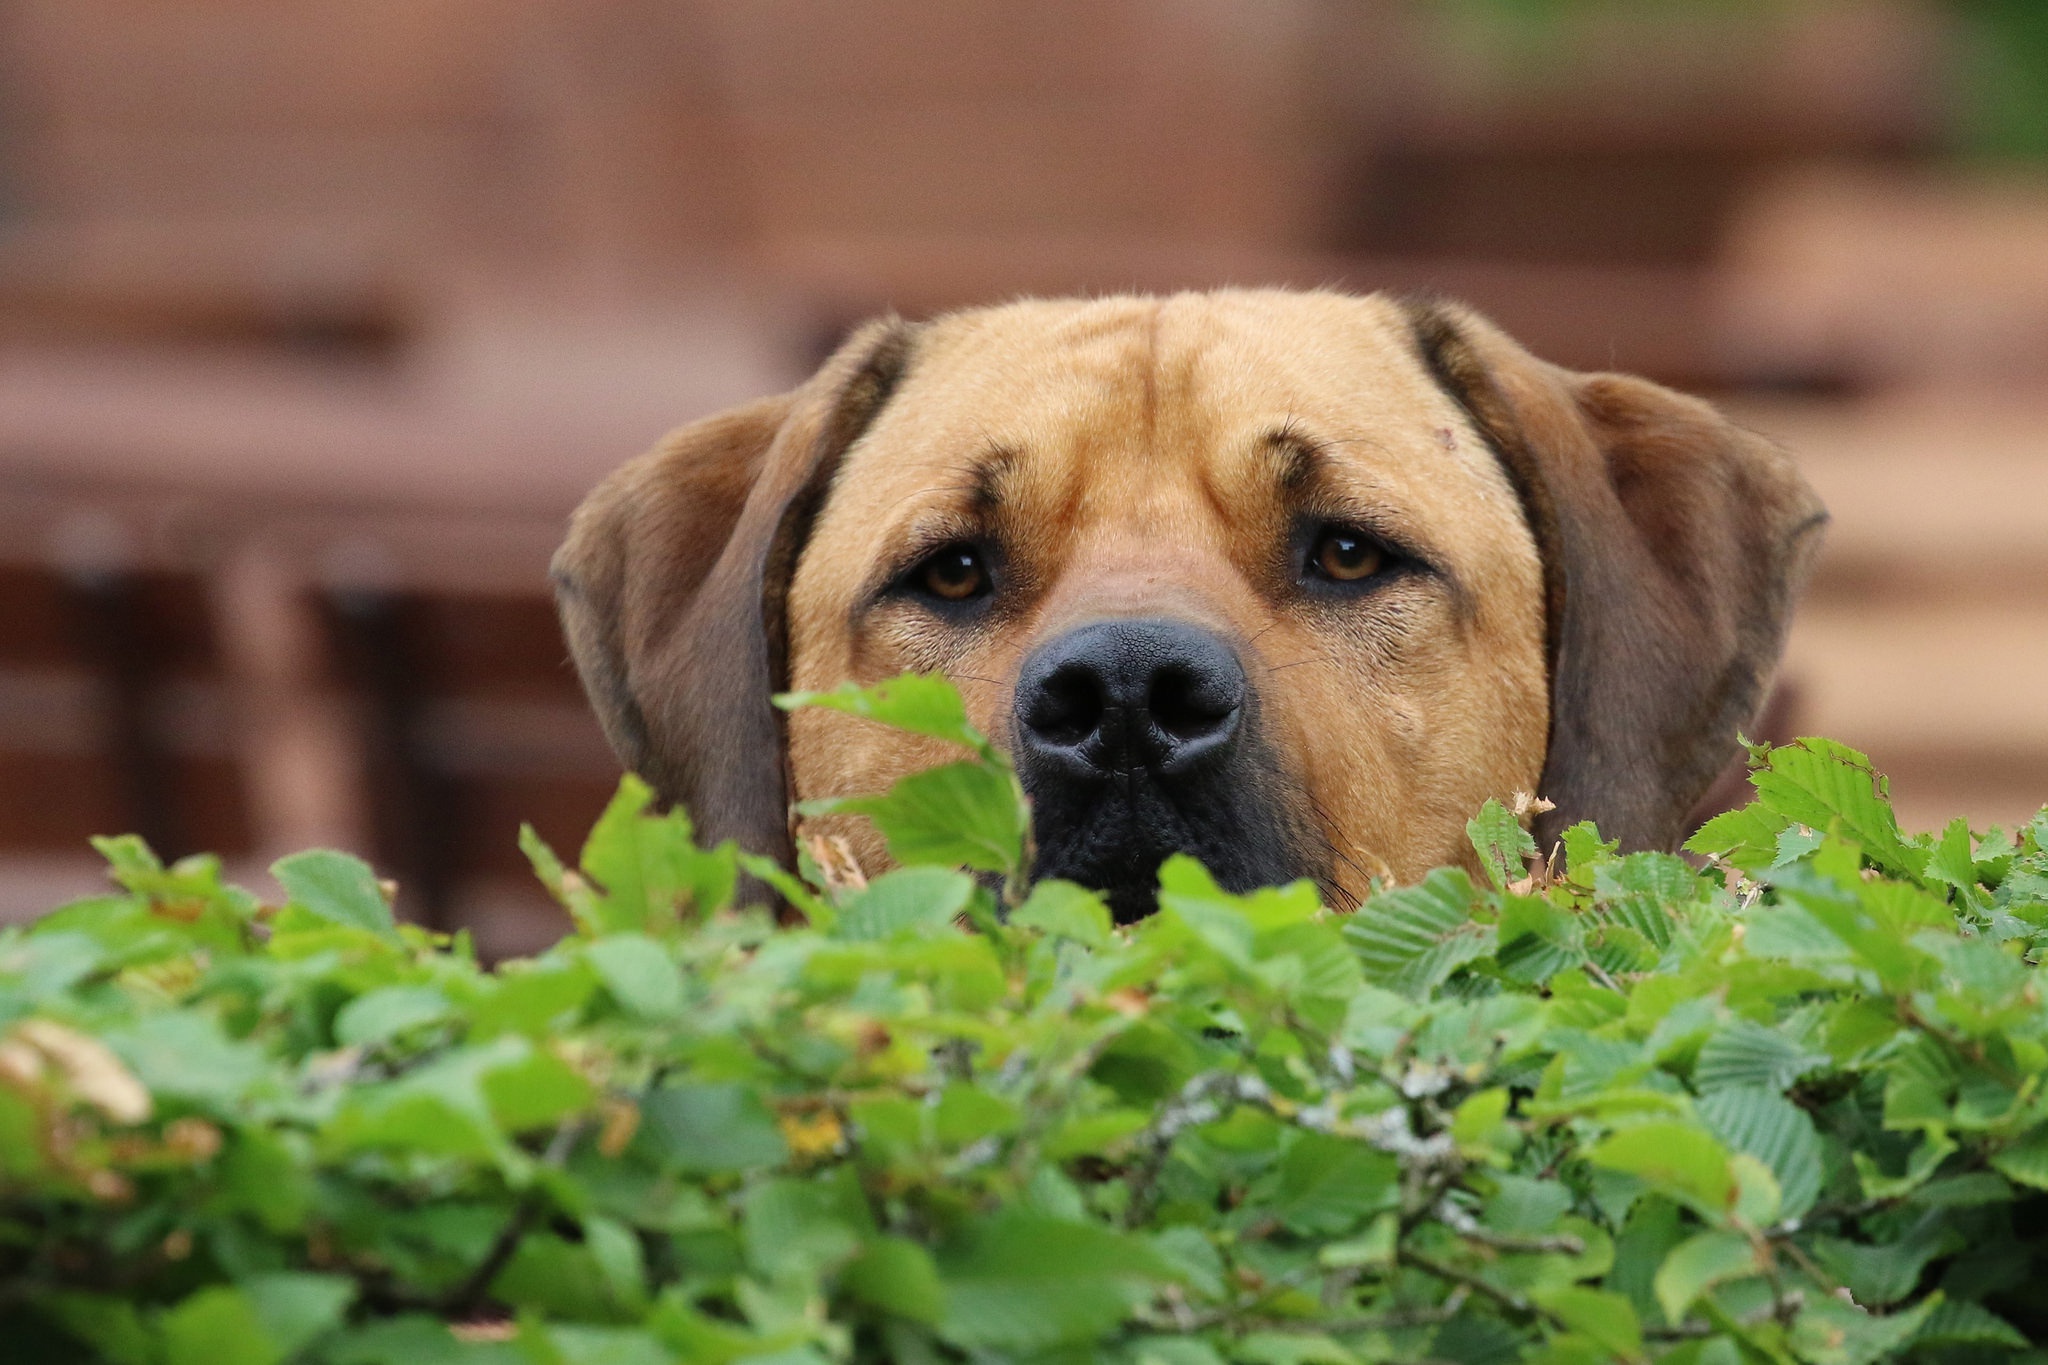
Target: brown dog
1293, 582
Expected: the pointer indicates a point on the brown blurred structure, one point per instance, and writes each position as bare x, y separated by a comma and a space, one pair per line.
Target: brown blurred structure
317, 317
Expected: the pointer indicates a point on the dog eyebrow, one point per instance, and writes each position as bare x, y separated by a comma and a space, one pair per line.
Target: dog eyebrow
988, 478
1297, 455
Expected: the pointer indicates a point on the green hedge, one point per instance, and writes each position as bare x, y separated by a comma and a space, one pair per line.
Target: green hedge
1786, 1108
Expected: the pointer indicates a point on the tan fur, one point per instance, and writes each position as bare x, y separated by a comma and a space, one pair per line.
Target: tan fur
1144, 486
1135, 442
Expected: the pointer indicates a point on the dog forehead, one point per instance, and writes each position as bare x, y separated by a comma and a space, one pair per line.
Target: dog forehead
1153, 423
1140, 389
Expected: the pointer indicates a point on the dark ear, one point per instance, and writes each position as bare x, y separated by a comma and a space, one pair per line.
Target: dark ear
671, 587
1673, 544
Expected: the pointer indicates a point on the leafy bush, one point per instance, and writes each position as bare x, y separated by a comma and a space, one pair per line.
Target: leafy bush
1785, 1108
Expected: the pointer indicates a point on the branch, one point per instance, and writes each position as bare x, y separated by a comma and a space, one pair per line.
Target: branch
468, 1296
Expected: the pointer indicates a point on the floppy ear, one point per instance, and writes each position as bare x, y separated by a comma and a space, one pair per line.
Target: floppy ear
672, 580
1673, 543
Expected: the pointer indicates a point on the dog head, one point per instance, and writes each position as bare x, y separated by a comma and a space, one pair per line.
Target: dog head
1293, 582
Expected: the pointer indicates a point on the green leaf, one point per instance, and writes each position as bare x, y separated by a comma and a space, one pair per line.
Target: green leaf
217, 1325
1818, 782
113, 1327
1411, 938
648, 867
1742, 1053
1831, 1332
1747, 837
922, 703
959, 815
575, 1344
710, 1129
1881, 1274
639, 973
570, 891
1328, 1185
1523, 1206
414, 1339
2026, 1161
184, 1055
1024, 1282
896, 1275
909, 900
1925, 1158
1678, 1159
1503, 845
1698, 1264
802, 1226
1647, 893
1958, 1322
1766, 1125
1951, 862
388, 1012
1065, 910
337, 887
297, 1309
1585, 851
1607, 1319
533, 1090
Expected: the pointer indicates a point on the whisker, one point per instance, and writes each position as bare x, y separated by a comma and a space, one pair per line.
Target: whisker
1312, 659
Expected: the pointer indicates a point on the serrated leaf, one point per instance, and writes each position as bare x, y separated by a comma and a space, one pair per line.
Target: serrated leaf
1923, 1161
338, 887
1881, 1274
958, 815
1743, 1053
1607, 1319
922, 703
1502, 844
1698, 1264
1411, 938
1025, 1282
385, 1013
1330, 1184
1065, 910
710, 1129
1818, 782
1766, 1125
1675, 1158
909, 900
1952, 863
2025, 1161
1831, 1332
639, 973
1746, 837
897, 1276
1959, 1322
647, 867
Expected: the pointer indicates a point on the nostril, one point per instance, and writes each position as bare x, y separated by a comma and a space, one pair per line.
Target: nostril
1067, 707
1189, 704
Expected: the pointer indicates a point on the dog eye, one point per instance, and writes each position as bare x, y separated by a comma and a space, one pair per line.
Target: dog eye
954, 574
1343, 555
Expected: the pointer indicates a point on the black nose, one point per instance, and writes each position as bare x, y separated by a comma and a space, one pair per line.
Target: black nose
1121, 696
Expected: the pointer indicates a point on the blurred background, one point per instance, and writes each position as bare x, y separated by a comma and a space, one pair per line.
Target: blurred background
317, 317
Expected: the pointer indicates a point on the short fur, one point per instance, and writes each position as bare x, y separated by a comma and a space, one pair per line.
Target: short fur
1602, 569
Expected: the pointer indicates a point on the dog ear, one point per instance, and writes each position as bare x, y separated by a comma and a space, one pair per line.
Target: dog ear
1674, 543
672, 580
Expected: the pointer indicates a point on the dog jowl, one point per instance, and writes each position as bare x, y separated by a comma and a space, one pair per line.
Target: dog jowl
1292, 582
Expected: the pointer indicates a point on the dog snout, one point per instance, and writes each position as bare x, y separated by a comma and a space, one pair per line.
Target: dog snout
1115, 697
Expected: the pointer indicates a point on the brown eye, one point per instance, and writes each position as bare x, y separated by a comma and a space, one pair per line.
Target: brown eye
1346, 556
955, 573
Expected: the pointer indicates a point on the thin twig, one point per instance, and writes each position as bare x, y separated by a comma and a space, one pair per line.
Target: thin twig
468, 1296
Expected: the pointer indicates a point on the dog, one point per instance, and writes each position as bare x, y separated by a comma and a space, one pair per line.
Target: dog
1289, 581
